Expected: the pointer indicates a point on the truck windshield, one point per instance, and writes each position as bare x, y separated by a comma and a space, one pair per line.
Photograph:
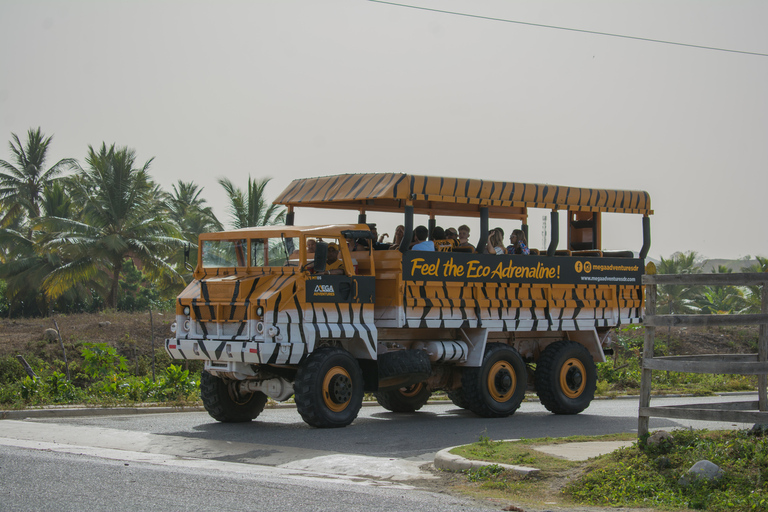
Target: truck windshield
274, 252
224, 253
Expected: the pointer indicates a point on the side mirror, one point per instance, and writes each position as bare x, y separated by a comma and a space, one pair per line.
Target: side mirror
187, 250
321, 256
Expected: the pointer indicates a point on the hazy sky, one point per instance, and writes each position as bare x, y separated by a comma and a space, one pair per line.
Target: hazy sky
300, 88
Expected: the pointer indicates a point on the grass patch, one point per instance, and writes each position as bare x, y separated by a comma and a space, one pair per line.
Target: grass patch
637, 476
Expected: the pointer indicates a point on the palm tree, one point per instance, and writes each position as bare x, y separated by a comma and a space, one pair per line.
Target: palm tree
249, 208
721, 300
22, 184
188, 210
28, 263
754, 294
122, 218
678, 299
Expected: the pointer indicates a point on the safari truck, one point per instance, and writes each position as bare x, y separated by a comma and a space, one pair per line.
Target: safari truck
282, 311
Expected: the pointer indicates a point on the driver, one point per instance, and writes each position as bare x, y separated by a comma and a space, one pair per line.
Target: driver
333, 265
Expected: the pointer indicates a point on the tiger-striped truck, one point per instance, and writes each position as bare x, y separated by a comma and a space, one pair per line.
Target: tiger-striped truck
271, 320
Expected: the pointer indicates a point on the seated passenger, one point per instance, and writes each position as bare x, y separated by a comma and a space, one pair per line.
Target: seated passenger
517, 239
376, 241
464, 237
496, 242
441, 241
311, 244
421, 243
399, 232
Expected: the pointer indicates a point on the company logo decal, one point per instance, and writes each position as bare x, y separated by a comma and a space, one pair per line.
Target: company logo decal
324, 290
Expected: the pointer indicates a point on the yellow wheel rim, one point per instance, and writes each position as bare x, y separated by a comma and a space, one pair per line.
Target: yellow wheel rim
502, 381
337, 389
573, 378
412, 390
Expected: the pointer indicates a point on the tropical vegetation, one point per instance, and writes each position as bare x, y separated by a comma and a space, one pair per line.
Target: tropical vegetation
645, 475
80, 238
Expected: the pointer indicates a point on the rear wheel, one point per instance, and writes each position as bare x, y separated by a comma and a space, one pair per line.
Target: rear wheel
497, 388
329, 388
458, 398
403, 368
565, 377
224, 402
407, 399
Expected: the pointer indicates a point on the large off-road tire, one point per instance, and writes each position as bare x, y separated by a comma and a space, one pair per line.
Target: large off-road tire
329, 388
407, 399
565, 377
497, 388
224, 402
458, 398
403, 368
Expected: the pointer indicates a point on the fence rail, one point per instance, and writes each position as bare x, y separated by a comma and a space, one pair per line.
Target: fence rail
741, 364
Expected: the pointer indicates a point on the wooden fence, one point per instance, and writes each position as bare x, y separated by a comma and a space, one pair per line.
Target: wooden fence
742, 364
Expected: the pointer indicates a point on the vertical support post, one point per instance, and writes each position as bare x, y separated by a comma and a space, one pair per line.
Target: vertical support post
431, 224
289, 216
362, 218
645, 380
646, 237
555, 219
405, 244
483, 230
762, 354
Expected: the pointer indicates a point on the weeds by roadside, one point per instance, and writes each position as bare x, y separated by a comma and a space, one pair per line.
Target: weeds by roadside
102, 377
641, 475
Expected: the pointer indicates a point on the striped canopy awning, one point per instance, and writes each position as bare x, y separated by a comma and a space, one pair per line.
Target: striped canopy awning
454, 196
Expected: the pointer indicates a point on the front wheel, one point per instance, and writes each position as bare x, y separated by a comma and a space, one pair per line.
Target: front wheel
497, 388
565, 377
329, 388
407, 399
224, 402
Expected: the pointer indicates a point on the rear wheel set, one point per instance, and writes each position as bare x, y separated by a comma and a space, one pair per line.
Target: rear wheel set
497, 388
565, 377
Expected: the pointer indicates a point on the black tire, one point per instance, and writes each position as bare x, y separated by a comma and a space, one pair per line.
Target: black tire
566, 377
403, 368
407, 399
497, 388
458, 398
224, 402
329, 388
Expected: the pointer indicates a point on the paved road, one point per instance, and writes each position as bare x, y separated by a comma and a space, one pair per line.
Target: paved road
279, 436
37, 480
188, 460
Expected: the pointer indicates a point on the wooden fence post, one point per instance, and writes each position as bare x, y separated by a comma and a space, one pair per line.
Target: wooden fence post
152, 336
61, 343
647, 374
762, 353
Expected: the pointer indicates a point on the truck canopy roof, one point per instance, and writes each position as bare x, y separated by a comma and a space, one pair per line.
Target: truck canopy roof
389, 192
329, 230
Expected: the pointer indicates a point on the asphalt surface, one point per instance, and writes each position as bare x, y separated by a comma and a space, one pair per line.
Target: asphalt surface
301, 457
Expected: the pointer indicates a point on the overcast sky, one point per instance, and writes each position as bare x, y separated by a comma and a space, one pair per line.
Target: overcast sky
300, 88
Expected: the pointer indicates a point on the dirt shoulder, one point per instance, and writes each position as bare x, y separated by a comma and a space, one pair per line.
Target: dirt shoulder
124, 331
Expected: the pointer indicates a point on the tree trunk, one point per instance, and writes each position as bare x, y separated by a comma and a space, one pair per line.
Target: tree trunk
117, 268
